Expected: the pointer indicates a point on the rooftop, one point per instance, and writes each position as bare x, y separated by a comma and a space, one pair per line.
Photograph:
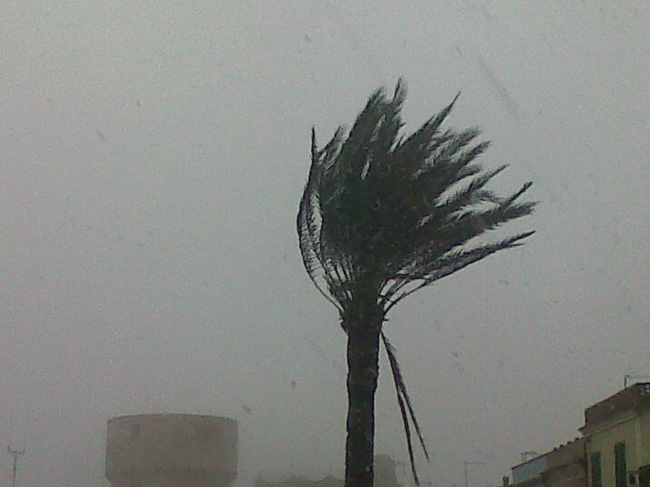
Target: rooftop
635, 397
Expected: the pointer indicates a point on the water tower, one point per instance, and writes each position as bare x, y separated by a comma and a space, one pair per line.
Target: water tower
171, 450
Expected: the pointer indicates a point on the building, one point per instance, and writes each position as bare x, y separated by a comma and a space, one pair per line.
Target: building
530, 472
614, 450
617, 432
171, 450
385, 476
567, 465
564, 466
293, 481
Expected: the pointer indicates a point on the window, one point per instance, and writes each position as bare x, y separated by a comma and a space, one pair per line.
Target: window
596, 472
620, 465
644, 476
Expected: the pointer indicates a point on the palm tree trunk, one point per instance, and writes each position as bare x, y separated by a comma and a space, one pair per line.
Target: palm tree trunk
363, 370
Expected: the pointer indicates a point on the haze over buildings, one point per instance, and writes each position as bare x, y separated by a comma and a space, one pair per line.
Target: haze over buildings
152, 160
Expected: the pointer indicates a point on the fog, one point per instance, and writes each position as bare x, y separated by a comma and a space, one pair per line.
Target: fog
153, 156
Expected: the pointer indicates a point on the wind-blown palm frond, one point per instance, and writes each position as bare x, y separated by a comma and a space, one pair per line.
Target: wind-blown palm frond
383, 216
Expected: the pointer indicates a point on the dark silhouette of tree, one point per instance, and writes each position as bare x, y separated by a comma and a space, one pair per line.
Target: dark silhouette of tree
382, 216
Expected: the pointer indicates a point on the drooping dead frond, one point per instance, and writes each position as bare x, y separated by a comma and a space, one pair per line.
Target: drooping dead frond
406, 408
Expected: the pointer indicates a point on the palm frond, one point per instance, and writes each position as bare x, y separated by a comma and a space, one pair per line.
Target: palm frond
428, 273
406, 408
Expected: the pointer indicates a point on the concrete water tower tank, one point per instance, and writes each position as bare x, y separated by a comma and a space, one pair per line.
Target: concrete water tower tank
171, 450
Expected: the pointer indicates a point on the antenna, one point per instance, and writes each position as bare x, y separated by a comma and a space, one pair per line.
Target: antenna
466, 463
15, 454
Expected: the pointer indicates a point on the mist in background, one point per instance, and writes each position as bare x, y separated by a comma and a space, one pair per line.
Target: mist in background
152, 159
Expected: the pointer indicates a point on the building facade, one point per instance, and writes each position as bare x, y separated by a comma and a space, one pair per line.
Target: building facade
564, 466
617, 431
567, 465
530, 473
171, 450
614, 450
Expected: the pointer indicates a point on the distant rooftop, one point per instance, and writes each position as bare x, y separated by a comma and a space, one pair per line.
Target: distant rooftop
635, 397
294, 481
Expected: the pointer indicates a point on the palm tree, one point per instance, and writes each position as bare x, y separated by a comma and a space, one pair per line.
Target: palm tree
381, 217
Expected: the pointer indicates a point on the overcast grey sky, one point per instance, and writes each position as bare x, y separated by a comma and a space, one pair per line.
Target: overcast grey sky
153, 155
